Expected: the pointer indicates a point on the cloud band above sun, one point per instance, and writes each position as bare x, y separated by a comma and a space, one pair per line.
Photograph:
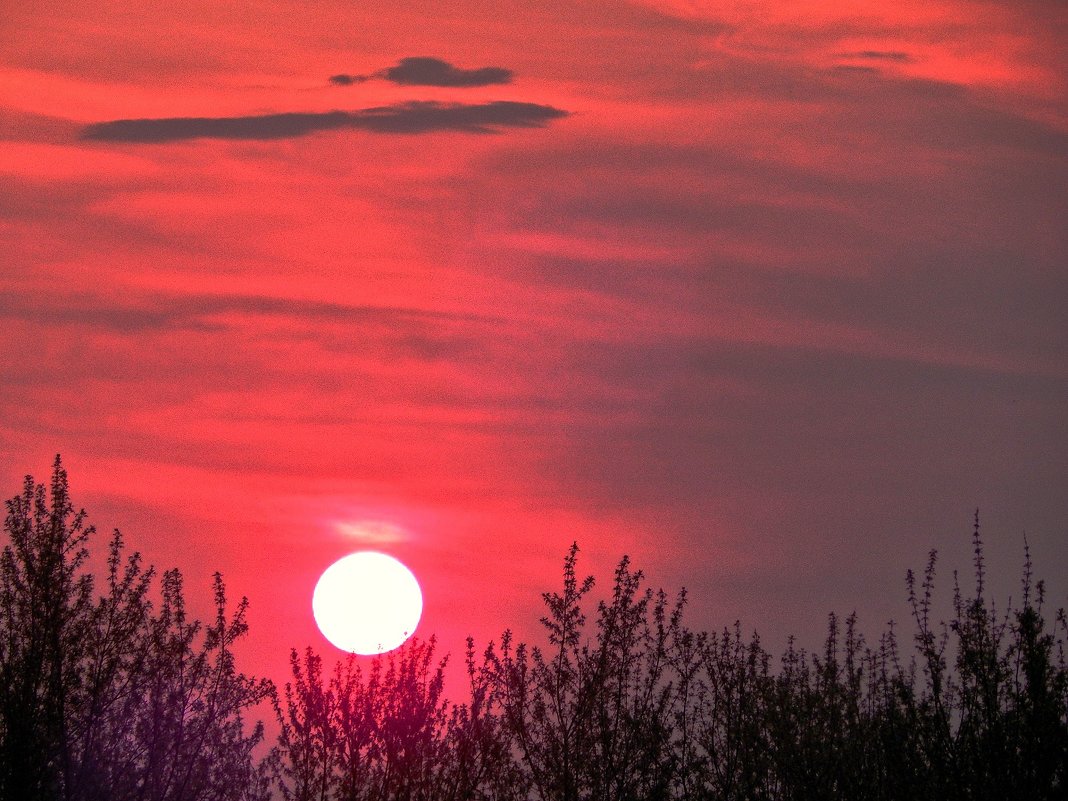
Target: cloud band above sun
416, 117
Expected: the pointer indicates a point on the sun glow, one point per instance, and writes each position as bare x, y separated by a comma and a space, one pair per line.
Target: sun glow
367, 603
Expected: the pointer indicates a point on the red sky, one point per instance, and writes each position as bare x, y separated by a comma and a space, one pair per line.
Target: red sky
770, 296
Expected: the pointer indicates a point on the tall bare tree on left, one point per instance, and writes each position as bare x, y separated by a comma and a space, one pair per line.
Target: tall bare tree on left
108, 688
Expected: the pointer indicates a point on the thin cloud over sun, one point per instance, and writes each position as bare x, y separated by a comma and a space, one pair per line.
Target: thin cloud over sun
372, 532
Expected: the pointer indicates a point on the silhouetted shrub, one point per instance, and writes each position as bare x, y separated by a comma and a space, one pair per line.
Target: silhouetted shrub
104, 694
109, 690
592, 718
387, 732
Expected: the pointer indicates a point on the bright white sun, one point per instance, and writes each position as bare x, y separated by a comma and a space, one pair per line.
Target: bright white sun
367, 603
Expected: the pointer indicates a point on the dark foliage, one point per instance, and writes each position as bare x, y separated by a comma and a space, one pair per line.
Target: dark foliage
108, 690
116, 695
638, 706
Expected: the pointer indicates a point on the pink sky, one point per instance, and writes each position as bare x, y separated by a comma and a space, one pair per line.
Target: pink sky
770, 296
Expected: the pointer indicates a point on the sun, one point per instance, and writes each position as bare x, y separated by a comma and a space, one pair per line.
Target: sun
367, 603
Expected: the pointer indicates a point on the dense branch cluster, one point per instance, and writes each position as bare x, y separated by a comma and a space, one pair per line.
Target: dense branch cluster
105, 691
118, 694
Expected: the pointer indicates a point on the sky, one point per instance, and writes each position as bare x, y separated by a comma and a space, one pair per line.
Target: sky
770, 296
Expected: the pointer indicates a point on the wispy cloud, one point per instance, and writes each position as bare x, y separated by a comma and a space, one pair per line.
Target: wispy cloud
193, 311
418, 117
879, 55
372, 532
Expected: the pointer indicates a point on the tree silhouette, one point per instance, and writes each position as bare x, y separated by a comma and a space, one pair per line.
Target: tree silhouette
110, 690
106, 696
387, 731
591, 718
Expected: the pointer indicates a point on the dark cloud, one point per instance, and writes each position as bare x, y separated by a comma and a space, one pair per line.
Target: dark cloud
403, 118
425, 71
424, 117
347, 80
428, 71
264, 126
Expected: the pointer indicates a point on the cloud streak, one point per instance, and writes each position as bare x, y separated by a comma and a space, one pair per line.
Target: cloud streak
168, 313
880, 55
417, 117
